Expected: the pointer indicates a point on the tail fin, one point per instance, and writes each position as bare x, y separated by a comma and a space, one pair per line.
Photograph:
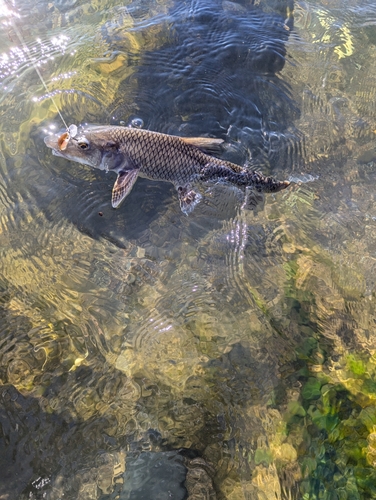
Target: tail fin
266, 184
276, 186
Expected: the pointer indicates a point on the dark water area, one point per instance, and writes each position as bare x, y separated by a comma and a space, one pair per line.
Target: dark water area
216, 74
224, 355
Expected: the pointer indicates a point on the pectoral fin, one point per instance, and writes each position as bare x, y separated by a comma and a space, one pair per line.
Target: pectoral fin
123, 186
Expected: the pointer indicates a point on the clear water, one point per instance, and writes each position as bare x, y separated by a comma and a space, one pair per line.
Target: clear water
230, 354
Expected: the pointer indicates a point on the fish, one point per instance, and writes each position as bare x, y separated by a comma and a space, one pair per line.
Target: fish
182, 161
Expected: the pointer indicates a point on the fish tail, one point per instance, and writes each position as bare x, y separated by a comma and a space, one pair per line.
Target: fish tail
270, 185
246, 178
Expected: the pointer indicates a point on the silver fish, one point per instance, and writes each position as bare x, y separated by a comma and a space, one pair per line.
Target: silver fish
130, 152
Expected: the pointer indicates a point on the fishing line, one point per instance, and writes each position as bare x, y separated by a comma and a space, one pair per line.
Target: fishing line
26, 49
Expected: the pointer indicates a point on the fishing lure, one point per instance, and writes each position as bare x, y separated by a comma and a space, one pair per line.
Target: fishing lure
63, 140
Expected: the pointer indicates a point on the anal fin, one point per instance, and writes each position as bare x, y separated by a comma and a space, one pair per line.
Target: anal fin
123, 186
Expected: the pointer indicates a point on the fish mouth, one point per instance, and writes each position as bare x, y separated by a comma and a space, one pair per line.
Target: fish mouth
51, 142
56, 152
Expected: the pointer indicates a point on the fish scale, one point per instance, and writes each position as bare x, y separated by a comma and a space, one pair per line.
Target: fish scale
183, 161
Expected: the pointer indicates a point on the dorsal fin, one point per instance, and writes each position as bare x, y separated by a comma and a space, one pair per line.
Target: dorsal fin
206, 144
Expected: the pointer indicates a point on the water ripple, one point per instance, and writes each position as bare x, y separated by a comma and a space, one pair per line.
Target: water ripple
229, 335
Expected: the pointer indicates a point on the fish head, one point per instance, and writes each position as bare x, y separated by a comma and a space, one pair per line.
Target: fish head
89, 145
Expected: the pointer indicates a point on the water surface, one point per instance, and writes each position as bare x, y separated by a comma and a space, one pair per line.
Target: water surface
224, 355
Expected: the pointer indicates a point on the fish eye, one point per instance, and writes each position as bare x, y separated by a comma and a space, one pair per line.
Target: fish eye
82, 144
